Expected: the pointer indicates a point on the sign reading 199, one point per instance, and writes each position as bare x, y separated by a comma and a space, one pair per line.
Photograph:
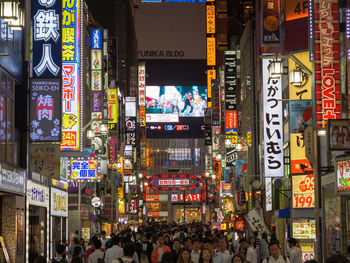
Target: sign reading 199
301, 7
304, 194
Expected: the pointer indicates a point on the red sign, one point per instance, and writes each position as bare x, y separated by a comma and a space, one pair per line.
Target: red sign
231, 119
327, 66
142, 84
188, 198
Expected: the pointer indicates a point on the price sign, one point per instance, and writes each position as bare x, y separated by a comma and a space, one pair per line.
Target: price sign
303, 191
296, 9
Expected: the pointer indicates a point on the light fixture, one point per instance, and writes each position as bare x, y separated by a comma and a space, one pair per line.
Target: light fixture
218, 157
19, 23
119, 165
213, 176
321, 132
207, 174
9, 10
275, 69
296, 77
239, 146
228, 143
104, 128
90, 134
146, 183
140, 175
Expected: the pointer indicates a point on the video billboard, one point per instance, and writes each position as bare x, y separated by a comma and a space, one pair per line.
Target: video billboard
175, 111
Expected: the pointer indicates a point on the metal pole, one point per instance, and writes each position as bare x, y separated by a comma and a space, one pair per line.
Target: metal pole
184, 206
79, 207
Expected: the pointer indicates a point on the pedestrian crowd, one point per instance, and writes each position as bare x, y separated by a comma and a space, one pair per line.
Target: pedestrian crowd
171, 243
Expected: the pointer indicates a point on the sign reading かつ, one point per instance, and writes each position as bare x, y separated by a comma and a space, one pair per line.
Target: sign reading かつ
47, 48
84, 170
45, 110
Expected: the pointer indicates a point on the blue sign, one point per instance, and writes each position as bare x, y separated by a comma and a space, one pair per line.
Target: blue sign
47, 38
92, 217
96, 39
84, 170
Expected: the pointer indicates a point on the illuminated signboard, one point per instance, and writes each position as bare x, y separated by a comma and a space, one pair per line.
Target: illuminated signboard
271, 33
84, 170
327, 86
300, 112
152, 198
343, 175
71, 67
297, 154
46, 44
96, 69
142, 84
303, 191
96, 39
210, 19
143, 116
273, 121
59, 202
166, 182
231, 119
307, 250
296, 9
211, 51
45, 110
338, 135
304, 229
188, 198
211, 74
96, 101
112, 108
230, 57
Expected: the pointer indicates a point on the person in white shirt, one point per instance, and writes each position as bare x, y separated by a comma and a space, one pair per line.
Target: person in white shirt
114, 252
236, 242
276, 256
223, 250
104, 239
195, 253
295, 253
250, 255
97, 254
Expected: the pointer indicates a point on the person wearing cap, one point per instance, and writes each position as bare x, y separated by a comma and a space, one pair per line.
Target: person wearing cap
295, 253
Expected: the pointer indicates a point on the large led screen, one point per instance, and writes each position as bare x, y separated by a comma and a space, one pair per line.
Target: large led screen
175, 111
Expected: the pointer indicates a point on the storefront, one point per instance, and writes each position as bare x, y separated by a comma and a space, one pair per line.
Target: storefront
37, 223
187, 208
12, 207
59, 218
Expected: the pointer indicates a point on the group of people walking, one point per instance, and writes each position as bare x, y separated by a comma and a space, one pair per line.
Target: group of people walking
171, 243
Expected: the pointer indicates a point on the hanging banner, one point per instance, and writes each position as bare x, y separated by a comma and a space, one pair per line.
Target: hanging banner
216, 114
45, 110
96, 101
210, 19
211, 51
96, 39
327, 68
271, 31
112, 109
297, 155
211, 74
300, 112
46, 42
230, 58
273, 124
142, 84
71, 31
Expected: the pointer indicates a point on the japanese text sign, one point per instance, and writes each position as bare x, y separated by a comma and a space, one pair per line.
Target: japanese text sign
211, 74
303, 191
38, 195
256, 223
59, 202
211, 51
112, 109
304, 229
47, 48
210, 19
271, 33
327, 66
273, 124
230, 80
96, 101
96, 39
96, 69
45, 110
343, 175
84, 170
45, 160
297, 154
71, 67
142, 84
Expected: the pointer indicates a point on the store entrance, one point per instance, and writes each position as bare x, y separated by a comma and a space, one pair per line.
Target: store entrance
188, 215
37, 232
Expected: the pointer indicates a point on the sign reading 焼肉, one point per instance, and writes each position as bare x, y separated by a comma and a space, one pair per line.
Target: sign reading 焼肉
327, 68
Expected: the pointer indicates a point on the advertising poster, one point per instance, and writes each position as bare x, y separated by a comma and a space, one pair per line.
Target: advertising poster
300, 112
46, 42
112, 108
45, 110
303, 191
81, 170
304, 229
343, 175
271, 33
45, 160
308, 250
339, 135
298, 155
241, 167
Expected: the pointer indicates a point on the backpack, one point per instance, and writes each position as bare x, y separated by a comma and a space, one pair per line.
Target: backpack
284, 257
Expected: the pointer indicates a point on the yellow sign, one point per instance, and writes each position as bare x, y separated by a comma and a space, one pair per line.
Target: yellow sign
210, 19
303, 191
302, 91
112, 108
211, 74
60, 202
143, 116
304, 229
249, 137
297, 154
296, 9
211, 51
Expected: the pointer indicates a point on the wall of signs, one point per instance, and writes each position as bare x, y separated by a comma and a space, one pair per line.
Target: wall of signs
71, 67
45, 110
84, 169
273, 121
303, 192
326, 25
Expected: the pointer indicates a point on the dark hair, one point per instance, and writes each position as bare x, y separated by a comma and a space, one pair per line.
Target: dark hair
237, 256
60, 249
293, 241
97, 243
187, 238
40, 259
115, 240
93, 238
195, 240
129, 249
274, 242
77, 250
177, 239
242, 240
76, 241
311, 261
180, 255
167, 258
103, 232
77, 260
201, 256
337, 259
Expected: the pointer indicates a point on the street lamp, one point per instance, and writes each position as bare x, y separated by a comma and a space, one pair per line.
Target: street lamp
90, 134
213, 176
17, 24
9, 10
296, 77
275, 69
140, 175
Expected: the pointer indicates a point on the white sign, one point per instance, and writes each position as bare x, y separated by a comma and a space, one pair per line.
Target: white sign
273, 124
142, 84
38, 195
268, 194
188, 198
96, 202
59, 202
256, 223
162, 117
173, 182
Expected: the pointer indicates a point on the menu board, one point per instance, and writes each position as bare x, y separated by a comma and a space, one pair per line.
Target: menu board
303, 191
304, 229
